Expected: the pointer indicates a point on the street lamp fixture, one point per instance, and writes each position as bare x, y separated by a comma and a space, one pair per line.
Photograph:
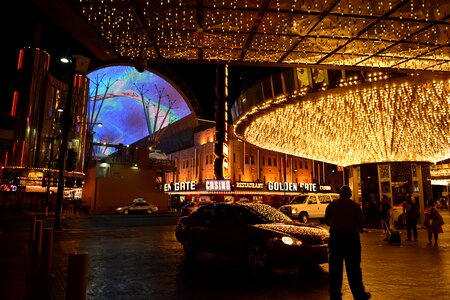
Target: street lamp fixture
93, 124
76, 64
65, 60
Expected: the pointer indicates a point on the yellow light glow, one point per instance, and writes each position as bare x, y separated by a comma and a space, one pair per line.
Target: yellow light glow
410, 35
402, 119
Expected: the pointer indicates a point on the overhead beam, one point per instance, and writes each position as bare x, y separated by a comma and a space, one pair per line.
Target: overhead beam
76, 26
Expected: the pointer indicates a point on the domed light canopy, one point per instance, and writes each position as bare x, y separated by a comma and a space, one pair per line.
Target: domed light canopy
402, 119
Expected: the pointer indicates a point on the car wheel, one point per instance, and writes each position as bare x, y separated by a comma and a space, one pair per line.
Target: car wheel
258, 259
190, 250
401, 220
125, 212
303, 217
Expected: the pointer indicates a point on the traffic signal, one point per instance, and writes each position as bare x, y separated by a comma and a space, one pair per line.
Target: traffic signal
44, 181
71, 160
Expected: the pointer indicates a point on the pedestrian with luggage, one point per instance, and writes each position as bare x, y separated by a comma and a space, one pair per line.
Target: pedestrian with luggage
433, 222
391, 235
411, 212
345, 219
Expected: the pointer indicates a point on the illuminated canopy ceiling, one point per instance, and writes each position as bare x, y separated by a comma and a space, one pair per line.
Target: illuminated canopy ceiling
401, 119
392, 34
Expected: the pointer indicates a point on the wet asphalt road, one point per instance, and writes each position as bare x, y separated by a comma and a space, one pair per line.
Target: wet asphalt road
138, 257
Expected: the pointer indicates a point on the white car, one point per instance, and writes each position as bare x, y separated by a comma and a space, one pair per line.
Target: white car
137, 207
308, 206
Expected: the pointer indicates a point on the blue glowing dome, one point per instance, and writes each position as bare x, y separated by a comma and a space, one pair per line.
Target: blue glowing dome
130, 105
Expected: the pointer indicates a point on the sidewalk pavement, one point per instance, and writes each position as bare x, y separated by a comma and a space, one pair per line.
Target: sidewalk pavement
23, 273
21, 268
23, 276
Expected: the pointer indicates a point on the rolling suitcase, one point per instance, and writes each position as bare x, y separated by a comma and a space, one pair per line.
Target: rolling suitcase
393, 236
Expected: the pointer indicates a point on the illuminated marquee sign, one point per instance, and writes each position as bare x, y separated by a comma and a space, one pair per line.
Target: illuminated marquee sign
325, 188
213, 185
249, 185
291, 186
180, 186
225, 150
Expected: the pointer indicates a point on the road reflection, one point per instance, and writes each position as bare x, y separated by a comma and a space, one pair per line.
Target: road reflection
139, 258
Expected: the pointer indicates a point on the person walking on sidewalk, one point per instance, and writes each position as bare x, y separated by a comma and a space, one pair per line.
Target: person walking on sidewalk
433, 228
385, 213
411, 212
345, 219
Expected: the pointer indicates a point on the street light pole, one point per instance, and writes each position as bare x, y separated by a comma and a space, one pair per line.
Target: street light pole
67, 123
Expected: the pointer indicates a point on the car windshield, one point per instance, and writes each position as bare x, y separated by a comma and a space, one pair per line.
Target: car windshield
299, 199
262, 214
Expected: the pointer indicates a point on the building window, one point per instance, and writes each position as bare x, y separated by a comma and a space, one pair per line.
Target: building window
263, 160
234, 157
246, 159
275, 162
269, 161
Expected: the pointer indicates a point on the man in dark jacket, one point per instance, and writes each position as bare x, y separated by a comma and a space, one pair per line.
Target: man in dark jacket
345, 219
411, 212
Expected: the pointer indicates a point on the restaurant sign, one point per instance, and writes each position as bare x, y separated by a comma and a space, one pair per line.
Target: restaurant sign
249, 185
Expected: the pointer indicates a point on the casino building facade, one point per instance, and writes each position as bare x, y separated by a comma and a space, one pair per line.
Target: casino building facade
255, 174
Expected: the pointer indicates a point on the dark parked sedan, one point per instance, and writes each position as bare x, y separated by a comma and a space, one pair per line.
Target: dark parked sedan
259, 235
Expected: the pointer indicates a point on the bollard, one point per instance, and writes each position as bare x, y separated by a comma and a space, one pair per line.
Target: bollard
77, 276
38, 239
33, 229
47, 251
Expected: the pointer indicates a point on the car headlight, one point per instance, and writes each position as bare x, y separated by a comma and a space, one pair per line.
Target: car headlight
287, 240
294, 211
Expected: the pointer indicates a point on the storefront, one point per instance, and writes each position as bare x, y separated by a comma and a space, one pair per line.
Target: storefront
272, 193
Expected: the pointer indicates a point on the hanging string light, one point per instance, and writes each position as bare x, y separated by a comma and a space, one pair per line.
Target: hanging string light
410, 35
402, 119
